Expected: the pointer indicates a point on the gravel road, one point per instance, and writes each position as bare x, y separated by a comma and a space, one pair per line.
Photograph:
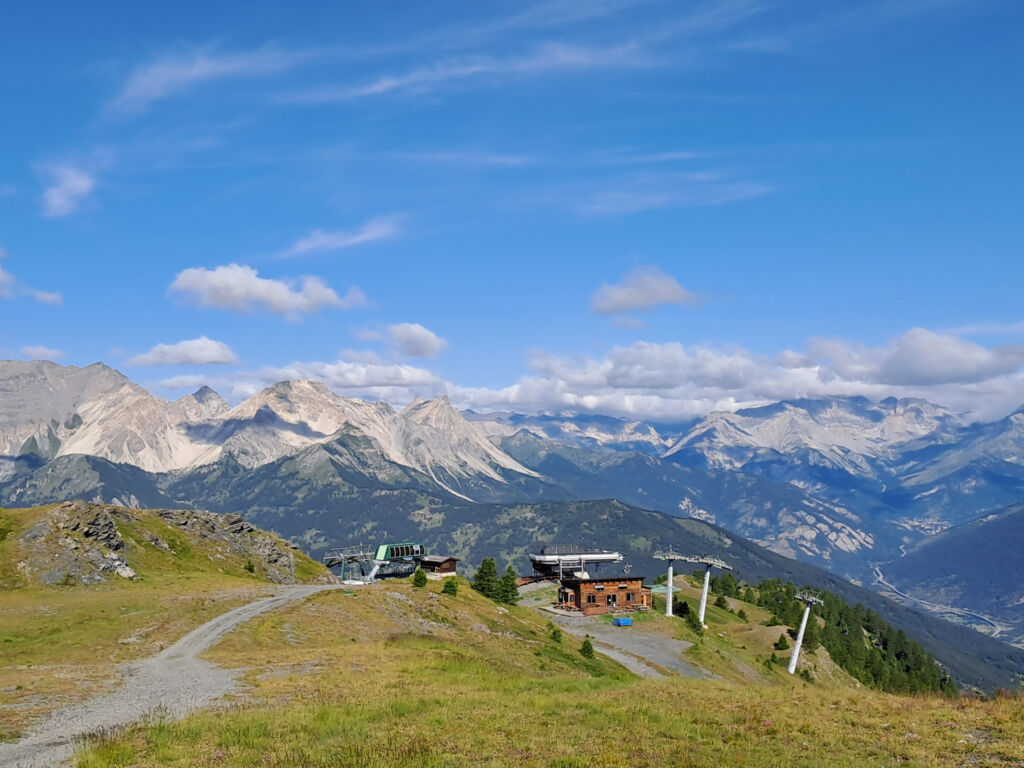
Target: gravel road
633, 646
172, 683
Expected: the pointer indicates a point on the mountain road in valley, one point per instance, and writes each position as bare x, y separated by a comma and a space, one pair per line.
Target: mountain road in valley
971, 616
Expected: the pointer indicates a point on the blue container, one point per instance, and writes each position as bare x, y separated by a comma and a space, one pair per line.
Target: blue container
622, 622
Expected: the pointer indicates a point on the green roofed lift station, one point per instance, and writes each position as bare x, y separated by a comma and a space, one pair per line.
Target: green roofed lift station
361, 564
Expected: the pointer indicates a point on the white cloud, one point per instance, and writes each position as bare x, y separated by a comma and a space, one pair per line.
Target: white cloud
353, 375
642, 289
919, 357
239, 288
673, 382
548, 58
177, 72
69, 186
319, 240
416, 341
10, 287
46, 297
667, 381
39, 352
201, 351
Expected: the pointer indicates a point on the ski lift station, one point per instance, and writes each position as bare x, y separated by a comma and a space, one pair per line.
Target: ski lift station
581, 589
364, 564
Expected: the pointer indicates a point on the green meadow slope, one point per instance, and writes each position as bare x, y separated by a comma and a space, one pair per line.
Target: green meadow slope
68, 617
394, 675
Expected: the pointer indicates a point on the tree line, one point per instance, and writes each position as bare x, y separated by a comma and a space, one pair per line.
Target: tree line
859, 641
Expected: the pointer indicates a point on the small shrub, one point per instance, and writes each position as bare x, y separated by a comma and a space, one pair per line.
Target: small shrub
250, 566
587, 649
693, 623
419, 578
742, 614
451, 587
721, 602
556, 634
782, 643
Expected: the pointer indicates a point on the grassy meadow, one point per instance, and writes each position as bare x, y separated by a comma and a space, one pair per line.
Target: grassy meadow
394, 675
60, 643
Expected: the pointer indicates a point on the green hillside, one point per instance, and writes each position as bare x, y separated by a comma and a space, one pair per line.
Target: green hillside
67, 617
394, 675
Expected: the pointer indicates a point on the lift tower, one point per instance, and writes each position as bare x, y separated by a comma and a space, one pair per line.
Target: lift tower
808, 600
709, 562
671, 555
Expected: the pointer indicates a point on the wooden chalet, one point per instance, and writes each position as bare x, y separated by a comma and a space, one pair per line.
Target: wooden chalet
441, 564
612, 594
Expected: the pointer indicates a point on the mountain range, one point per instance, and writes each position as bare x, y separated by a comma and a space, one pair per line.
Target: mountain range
845, 483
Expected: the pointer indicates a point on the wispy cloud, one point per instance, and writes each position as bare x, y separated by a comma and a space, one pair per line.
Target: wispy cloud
10, 287
546, 59
463, 158
69, 186
39, 352
988, 329
662, 191
320, 240
174, 73
630, 157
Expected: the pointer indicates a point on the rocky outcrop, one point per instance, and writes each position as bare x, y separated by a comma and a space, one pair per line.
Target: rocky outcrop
87, 543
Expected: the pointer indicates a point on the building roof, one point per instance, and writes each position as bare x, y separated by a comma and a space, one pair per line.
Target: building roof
603, 579
438, 559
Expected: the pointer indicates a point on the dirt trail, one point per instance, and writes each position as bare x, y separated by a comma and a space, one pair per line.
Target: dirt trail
172, 683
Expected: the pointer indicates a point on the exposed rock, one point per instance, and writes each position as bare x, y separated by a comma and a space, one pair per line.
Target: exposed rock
79, 543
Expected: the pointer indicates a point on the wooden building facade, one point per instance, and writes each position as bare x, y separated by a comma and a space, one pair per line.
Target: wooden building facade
612, 594
444, 564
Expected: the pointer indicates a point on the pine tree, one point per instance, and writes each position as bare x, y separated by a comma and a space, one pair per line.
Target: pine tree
451, 587
485, 581
721, 602
741, 614
587, 649
782, 643
508, 590
419, 578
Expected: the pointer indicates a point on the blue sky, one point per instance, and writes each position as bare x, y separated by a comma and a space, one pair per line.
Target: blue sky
649, 208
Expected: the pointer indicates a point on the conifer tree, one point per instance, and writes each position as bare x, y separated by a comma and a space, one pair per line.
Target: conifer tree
485, 580
419, 578
451, 586
782, 643
508, 590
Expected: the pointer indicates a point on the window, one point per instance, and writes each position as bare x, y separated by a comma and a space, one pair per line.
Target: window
623, 586
612, 599
591, 599
630, 597
599, 588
